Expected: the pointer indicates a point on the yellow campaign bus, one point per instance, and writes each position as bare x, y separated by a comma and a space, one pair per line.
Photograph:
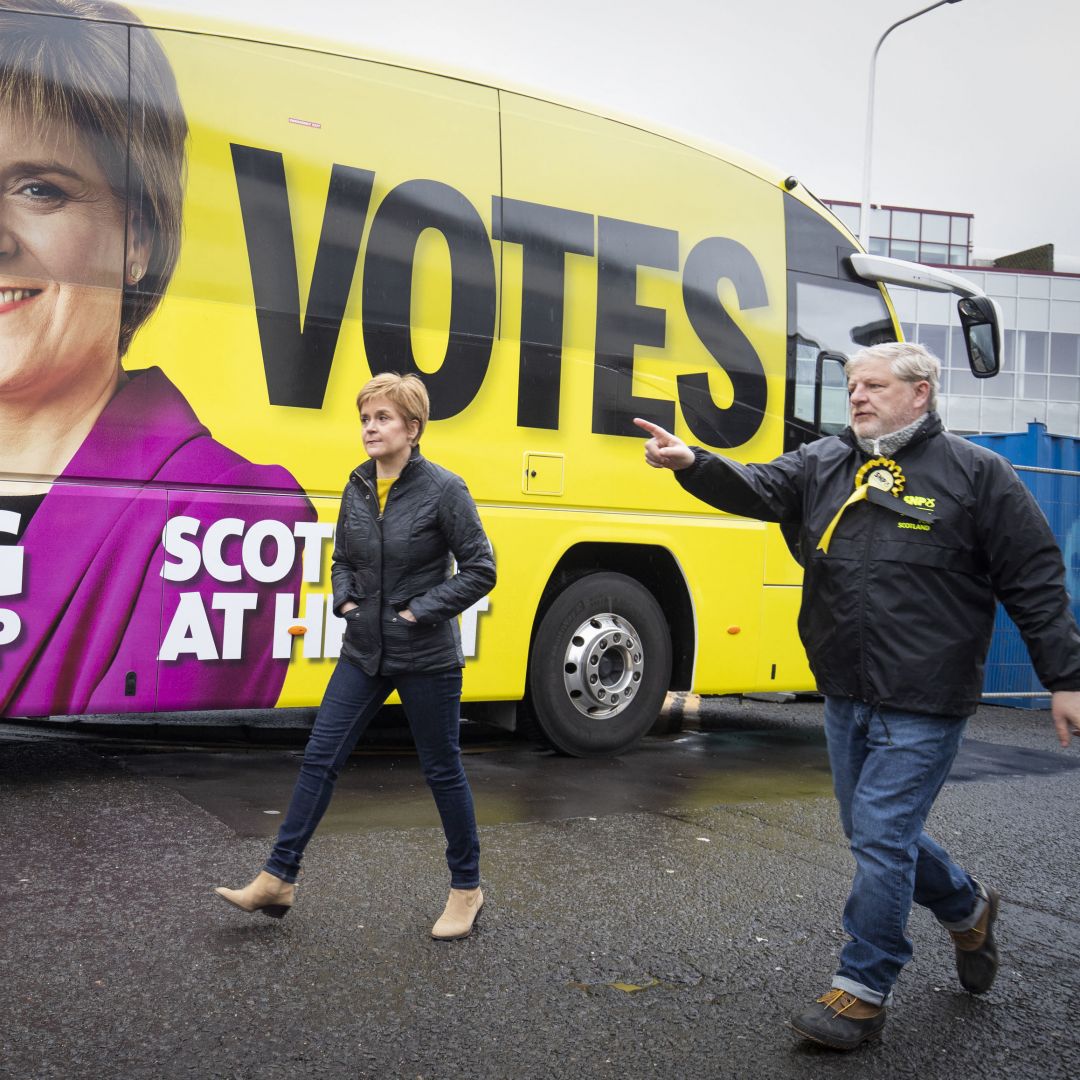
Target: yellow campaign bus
211, 237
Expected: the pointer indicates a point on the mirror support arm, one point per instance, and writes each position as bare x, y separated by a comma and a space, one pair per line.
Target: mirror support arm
976, 309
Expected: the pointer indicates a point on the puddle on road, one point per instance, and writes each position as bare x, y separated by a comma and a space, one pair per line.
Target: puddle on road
381, 788
249, 789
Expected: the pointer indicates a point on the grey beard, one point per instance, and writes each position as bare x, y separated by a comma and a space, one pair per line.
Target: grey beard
887, 445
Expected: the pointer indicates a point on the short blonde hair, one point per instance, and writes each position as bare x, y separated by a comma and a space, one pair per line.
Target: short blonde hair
407, 393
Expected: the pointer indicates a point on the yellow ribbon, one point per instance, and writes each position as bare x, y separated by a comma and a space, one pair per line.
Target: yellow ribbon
882, 474
857, 495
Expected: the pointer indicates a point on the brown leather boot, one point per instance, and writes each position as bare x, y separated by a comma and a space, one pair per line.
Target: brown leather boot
839, 1020
976, 949
458, 916
266, 893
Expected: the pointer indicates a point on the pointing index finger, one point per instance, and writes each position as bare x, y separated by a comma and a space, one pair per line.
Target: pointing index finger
655, 430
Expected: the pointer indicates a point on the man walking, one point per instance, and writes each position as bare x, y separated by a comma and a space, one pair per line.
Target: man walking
907, 533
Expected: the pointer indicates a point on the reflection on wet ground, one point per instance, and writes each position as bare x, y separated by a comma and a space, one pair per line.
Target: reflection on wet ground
742, 755
512, 782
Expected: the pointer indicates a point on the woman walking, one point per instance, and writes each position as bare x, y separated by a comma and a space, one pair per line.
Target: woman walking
404, 522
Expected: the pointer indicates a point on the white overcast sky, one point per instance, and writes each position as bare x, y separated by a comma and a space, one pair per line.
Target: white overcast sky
977, 101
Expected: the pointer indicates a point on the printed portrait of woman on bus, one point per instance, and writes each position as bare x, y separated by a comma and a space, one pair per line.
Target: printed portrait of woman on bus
95, 459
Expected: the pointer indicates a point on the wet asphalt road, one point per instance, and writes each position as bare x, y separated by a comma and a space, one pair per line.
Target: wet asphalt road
656, 915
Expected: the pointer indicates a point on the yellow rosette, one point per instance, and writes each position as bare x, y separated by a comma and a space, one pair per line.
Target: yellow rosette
881, 474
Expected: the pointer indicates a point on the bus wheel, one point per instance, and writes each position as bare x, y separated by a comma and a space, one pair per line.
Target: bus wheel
600, 666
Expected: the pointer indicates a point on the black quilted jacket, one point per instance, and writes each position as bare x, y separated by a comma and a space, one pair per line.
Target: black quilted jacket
404, 558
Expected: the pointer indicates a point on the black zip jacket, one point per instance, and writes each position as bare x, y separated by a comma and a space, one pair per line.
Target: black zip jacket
900, 610
403, 558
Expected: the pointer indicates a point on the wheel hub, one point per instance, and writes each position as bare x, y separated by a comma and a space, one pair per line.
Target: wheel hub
603, 666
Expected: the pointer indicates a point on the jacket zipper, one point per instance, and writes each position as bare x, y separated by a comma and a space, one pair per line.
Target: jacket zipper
373, 491
373, 488
864, 682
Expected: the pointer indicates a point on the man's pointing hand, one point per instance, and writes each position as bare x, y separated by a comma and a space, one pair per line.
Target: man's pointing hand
664, 450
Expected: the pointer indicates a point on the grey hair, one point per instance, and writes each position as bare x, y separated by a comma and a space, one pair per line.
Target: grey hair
910, 362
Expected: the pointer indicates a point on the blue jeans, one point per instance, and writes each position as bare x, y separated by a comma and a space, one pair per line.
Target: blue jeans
888, 767
432, 702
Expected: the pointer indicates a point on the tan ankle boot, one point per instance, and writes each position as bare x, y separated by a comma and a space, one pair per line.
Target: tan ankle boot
458, 916
266, 893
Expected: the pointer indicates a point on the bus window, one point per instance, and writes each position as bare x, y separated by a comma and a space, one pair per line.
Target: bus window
831, 314
834, 395
820, 389
830, 320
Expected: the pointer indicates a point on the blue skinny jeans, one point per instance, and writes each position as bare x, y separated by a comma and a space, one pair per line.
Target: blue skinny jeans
432, 702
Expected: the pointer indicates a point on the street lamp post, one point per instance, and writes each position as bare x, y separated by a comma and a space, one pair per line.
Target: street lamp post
864, 211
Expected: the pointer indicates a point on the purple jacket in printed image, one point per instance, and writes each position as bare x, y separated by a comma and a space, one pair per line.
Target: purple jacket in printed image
94, 607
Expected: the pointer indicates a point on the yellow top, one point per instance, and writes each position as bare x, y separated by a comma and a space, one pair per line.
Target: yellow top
384, 483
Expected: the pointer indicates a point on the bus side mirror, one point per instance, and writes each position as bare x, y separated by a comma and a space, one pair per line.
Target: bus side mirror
979, 314
982, 335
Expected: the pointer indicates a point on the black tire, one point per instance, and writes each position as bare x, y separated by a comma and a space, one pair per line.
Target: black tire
600, 666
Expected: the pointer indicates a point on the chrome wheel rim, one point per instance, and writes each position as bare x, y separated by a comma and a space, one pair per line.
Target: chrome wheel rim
603, 666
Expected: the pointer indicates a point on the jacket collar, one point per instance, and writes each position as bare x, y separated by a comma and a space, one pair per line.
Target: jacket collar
365, 473
932, 427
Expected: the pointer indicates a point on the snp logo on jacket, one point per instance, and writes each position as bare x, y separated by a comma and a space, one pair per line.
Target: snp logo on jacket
11, 577
921, 503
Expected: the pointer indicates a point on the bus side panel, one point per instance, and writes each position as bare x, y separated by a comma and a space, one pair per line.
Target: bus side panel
306, 631
681, 280
783, 660
528, 545
683, 288
86, 594
229, 583
322, 156
780, 565
338, 225
550, 274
